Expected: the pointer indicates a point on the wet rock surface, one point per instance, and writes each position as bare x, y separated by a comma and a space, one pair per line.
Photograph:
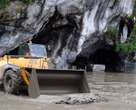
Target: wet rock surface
67, 28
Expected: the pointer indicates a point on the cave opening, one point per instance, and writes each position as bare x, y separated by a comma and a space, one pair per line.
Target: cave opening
55, 34
109, 58
102, 56
60, 32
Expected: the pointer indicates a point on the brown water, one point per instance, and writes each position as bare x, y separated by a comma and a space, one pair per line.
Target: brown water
112, 77
116, 89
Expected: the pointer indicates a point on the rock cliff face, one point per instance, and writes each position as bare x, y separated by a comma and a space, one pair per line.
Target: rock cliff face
68, 28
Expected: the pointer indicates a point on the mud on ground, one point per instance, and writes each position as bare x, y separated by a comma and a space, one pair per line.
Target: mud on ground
108, 91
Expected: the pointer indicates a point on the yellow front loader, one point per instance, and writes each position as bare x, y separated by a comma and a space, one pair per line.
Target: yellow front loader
27, 68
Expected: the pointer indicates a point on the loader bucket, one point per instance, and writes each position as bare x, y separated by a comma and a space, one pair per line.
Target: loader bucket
55, 82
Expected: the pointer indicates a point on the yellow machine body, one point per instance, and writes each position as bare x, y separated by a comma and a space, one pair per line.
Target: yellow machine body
42, 80
28, 62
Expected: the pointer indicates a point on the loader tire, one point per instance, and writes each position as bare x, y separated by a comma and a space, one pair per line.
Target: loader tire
10, 82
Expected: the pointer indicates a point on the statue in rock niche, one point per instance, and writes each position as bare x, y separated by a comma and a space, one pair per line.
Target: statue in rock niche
126, 26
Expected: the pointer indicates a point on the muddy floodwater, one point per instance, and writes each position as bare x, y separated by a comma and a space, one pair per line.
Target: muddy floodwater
108, 91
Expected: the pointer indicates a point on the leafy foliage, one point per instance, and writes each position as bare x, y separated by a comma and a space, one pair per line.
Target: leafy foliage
130, 46
27, 1
4, 3
111, 32
127, 47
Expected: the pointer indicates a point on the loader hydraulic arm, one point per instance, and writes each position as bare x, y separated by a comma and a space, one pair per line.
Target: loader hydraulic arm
25, 76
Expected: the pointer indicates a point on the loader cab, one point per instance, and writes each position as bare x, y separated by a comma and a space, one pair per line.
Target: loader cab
30, 50
37, 50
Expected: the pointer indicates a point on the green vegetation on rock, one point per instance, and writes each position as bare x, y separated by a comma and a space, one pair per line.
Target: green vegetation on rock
5, 3
27, 1
129, 46
111, 32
